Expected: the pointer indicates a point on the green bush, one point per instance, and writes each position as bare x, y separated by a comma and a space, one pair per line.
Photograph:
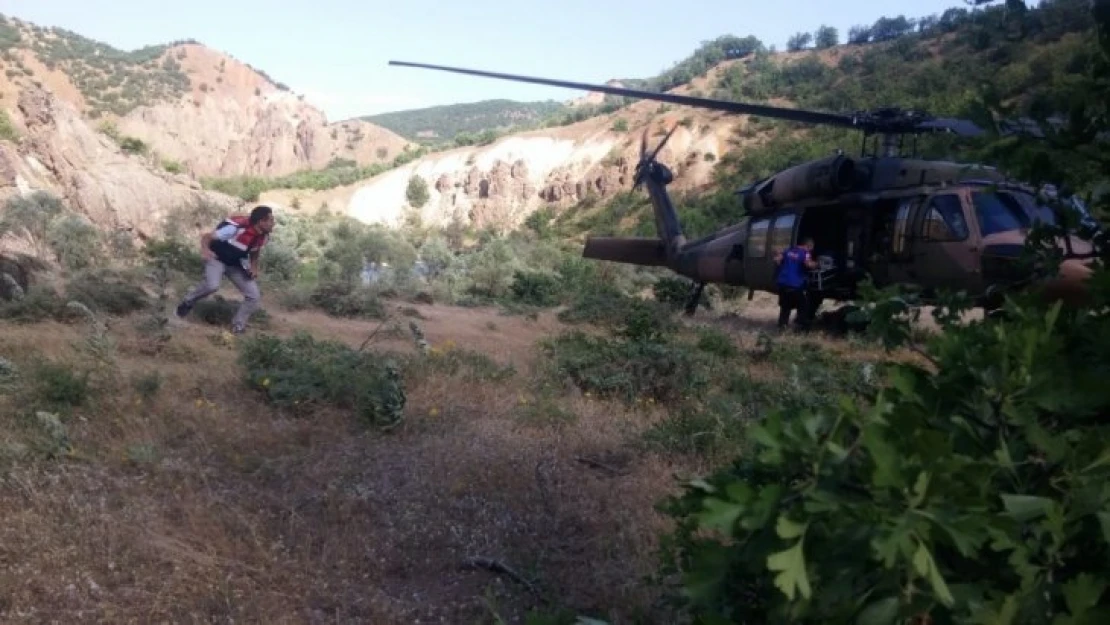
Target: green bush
219, 311
969, 491
342, 299
536, 288
628, 370
107, 292
301, 373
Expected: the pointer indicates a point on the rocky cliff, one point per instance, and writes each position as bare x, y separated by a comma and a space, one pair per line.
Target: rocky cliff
233, 121
195, 108
55, 150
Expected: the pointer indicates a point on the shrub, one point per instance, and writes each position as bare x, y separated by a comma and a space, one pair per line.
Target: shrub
302, 372
75, 241
342, 299
417, 192
37, 304
107, 292
970, 490
219, 311
536, 288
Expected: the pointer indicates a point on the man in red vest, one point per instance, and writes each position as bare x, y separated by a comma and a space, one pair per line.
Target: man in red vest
233, 249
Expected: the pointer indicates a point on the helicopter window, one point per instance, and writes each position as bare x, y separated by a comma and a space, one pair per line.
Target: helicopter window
901, 226
996, 214
757, 239
945, 220
782, 234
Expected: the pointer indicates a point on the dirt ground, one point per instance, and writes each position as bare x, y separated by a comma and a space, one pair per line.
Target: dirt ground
205, 505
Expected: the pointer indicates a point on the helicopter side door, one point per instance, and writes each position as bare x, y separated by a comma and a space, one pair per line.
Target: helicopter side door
944, 245
894, 264
767, 236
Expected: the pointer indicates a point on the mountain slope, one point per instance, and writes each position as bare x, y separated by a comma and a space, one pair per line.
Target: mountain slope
47, 146
194, 106
448, 121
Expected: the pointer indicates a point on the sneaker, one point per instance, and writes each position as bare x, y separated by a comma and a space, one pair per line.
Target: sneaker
183, 309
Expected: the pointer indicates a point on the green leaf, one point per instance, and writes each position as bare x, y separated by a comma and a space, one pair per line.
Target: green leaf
838, 452
791, 567
925, 566
1104, 521
1026, 507
1102, 460
987, 615
1083, 593
881, 612
1002, 454
719, 514
919, 489
883, 455
787, 529
700, 484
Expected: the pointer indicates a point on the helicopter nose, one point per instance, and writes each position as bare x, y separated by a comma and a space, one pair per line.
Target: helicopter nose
1069, 284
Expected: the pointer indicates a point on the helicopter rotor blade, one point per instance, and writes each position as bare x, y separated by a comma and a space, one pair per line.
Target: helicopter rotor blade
962, 127
798, 115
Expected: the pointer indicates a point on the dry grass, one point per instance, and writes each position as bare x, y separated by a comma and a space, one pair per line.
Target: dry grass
202, 504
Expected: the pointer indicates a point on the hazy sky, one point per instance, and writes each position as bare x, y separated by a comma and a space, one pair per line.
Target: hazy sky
336, 51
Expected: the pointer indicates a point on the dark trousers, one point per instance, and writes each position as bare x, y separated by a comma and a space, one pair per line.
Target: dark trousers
792, 298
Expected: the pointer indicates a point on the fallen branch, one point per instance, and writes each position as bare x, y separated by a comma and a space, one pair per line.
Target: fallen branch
597, 464
497, 566
372, 334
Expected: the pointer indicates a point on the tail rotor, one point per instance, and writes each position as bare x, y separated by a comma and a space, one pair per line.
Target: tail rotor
646, 160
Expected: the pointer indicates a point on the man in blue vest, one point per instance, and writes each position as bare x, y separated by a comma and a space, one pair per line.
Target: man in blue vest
232, 249
793, 263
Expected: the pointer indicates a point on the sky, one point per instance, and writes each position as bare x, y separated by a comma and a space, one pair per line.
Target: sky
336, 52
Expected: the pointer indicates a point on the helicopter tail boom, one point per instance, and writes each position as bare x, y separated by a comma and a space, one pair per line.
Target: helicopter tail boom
648, 252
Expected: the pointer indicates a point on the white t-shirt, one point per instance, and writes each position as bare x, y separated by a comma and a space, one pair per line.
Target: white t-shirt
226, 233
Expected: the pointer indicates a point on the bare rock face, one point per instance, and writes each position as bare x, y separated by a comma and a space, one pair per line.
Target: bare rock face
272, 135
228, 119
61, 153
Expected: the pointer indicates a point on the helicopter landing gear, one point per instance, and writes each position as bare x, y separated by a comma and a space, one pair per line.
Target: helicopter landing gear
694, 299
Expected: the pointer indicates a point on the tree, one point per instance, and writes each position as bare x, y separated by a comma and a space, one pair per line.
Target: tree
31, 216
798, 41
417, 192
826, 37
859, 34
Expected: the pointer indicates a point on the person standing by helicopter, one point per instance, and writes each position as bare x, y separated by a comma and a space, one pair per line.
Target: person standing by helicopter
792, 263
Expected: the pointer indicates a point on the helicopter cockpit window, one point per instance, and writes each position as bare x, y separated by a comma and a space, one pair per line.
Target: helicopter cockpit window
998, 215
944, 220
757, 239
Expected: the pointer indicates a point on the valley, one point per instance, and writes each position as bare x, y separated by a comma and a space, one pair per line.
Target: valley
493, 429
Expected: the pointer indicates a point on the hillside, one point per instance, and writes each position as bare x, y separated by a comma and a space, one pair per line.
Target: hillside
197, 109
934, 62
436, 123
427, 425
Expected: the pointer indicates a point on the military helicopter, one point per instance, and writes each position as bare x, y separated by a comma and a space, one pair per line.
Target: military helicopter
886, 215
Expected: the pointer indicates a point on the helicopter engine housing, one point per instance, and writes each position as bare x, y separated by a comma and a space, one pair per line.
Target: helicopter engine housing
824, 177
